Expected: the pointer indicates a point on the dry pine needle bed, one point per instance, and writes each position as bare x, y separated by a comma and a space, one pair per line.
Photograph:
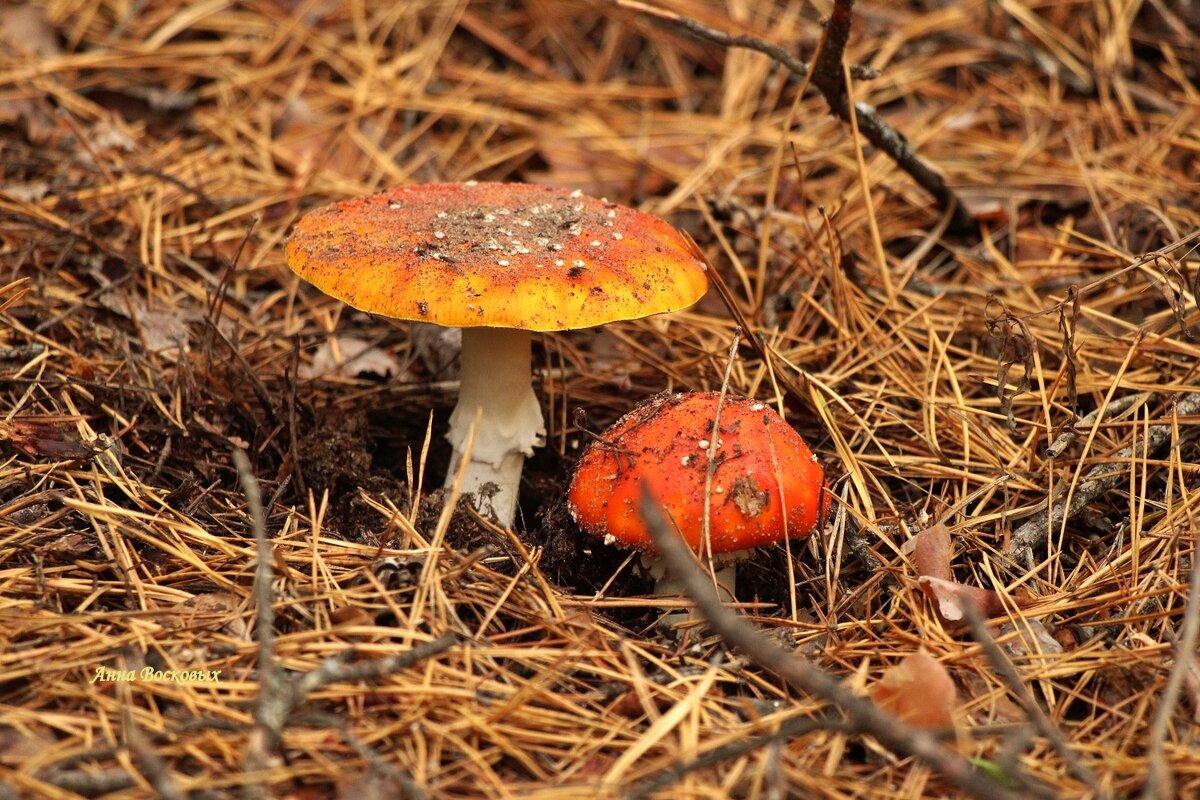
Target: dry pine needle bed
1002, 392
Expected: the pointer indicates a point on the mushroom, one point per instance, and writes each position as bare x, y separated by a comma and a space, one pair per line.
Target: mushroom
499, 261
766, 485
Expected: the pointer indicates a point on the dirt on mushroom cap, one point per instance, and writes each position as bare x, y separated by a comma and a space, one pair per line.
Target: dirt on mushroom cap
496, 255
762, 465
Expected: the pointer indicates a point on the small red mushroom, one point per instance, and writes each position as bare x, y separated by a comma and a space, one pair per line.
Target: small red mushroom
766, 485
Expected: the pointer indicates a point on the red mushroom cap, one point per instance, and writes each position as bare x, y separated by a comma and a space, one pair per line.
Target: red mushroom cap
766, 486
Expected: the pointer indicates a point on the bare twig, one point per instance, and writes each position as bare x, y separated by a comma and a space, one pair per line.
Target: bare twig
90, 783
336, 670
746, 42
270, 708
1160, 783
713, 462
786, 730
755, 341
1113, 409
1007, 671
278, 697
377, 763
22, 352
153, 766
827, 77
863, 715
1098, 481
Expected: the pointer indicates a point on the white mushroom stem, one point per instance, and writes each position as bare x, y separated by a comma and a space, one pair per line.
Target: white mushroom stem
666, 584
496, 384
726, 584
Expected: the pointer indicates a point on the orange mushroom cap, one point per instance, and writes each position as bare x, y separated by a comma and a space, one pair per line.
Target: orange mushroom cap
500, 255
767, 484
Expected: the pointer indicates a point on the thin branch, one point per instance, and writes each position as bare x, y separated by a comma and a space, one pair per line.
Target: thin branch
789, 728
743, 41
378, 764
1160, 784
270, 707
1099, 480
336, 670
1007, 671
90, 784
1113, 409
278, 696
827, 77
154, 767
863, 715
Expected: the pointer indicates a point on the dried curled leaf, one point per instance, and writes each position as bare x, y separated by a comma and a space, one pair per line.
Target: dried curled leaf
207, 611
931, 553
1032, 639
952, 597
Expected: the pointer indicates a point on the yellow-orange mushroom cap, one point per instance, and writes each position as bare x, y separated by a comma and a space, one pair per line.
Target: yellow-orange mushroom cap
766, 486
496, 255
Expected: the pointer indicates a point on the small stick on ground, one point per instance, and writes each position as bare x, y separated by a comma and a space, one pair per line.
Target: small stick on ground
1115, 408
270, 708
1007, 671
377, 763
786, 730
337, 670
829, 78
90, 784
862, 714
1160, 783
773, 51
826, 76
278, 696
1098, 481
154, 767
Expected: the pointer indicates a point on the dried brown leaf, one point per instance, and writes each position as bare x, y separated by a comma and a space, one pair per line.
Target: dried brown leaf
18, 745
208, 611
25, 31
305, 141
162, 328
1032, 638
602, 167
918, 691
44, 437
370, 785
68, 547
348, 356
932, 551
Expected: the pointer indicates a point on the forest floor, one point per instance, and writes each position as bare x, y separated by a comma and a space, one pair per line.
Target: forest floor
956, 383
